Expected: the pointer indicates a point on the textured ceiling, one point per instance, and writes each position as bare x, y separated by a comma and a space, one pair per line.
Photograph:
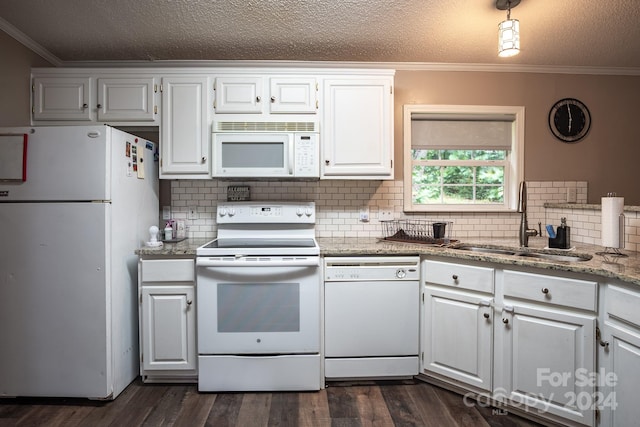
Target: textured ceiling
583, 33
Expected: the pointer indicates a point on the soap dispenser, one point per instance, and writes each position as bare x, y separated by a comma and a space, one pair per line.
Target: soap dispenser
562, 240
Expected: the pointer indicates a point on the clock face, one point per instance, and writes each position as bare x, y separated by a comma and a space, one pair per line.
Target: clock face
569, 120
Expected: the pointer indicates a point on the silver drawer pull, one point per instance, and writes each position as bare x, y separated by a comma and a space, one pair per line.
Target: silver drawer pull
486, 315
545, 291
505, 321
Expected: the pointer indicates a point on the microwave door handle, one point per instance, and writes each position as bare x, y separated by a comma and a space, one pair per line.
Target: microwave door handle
291, 144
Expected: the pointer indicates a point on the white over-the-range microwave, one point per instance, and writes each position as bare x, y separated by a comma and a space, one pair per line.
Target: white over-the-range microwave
266, 150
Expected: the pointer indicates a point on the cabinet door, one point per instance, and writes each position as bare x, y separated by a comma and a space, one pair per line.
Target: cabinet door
619, 355
293, 95
62, 98
127, 99
184, 136
238, 95
620, 376
457, 342
358, 128
168, 328
546, 354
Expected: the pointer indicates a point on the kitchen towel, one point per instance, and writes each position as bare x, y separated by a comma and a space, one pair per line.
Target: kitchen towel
613, 222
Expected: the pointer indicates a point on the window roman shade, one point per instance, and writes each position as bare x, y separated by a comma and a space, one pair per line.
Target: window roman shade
462, 131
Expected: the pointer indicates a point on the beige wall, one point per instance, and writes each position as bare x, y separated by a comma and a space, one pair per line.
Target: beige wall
15, 65
607, 158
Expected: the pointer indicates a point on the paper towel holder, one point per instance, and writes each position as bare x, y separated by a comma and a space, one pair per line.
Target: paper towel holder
615, 251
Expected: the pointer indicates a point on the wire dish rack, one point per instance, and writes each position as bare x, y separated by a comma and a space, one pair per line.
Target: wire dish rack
418, 231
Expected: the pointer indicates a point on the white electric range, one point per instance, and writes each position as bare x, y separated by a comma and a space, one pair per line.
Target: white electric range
258, 288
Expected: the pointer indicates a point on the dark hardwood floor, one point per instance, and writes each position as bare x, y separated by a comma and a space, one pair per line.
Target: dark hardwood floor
397, 403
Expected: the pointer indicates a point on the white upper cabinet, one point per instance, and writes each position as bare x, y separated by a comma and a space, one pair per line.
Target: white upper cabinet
238, 95
78, 98
127, 99
63, 98
266, 95
184, 133
293, 95
352, 109
357, 131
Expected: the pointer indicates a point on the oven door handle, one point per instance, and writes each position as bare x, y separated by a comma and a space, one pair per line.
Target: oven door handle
243, 262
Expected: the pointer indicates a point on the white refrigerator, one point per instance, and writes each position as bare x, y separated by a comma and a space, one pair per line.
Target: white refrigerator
75, 204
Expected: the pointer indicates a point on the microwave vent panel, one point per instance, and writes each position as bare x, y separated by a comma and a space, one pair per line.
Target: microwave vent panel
266, 127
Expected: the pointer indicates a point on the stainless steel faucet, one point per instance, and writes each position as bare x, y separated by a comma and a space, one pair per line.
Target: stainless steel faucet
525, 231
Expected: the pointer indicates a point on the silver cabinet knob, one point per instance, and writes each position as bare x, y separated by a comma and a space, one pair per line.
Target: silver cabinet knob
486, 315
505, 321
99, 105
258, 99
545, 291
273, 99
189, 302
84, 106
455, 277
204, 159
604, 344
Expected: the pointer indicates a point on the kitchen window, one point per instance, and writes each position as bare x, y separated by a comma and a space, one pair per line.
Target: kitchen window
462, 157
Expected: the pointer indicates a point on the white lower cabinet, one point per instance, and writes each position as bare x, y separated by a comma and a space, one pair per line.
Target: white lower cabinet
167, 320
619, 354
526, 345
457, 338
546, 344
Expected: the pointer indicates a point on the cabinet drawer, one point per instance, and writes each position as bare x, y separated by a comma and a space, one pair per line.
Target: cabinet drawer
622, 304
458, 276
168, 270
552, 290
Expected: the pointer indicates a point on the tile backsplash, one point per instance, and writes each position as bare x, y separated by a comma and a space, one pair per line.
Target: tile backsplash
338, 205
586, 224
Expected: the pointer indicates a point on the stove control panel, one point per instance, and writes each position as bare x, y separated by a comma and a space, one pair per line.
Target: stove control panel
266, 212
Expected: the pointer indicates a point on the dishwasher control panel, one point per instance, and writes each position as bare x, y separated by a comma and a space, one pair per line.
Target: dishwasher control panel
348, 269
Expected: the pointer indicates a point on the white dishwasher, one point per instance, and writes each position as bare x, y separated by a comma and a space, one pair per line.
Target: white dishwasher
371, 317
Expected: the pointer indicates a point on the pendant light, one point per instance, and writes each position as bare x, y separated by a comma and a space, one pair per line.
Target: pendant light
508, 30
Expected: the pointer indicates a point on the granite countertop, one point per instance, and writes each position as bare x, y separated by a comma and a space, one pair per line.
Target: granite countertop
623, 268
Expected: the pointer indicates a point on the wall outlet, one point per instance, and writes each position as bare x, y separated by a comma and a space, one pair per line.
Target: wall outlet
572, 195
364, 214
166, 212
192, 213
385, 215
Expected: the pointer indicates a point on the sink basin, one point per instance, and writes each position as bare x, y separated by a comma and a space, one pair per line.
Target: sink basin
482, 249
555, 257
527, 254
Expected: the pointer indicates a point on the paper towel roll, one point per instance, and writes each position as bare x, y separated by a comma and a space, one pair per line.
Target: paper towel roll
612, 231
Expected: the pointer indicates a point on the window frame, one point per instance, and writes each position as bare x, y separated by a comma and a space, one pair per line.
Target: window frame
514, 169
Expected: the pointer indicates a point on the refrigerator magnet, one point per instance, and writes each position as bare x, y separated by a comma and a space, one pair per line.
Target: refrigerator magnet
140, 165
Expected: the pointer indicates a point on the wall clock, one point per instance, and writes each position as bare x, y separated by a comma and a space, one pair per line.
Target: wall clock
569, 120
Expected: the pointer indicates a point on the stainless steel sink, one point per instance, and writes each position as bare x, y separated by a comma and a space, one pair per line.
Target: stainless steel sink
527, 254
486, 250
556, 257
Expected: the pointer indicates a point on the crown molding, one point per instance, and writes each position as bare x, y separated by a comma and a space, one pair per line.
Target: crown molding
29, 43
398, 66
